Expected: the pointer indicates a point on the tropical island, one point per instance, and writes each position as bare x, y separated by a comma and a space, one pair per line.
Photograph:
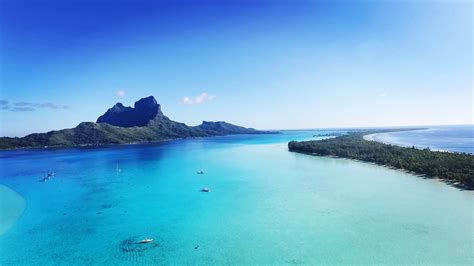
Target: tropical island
454, 168
145, 122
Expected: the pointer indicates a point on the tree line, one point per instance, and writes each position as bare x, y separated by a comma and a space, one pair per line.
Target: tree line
456, 168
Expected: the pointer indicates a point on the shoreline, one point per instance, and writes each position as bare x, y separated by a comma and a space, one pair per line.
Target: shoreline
352, 147
39, 148
372, 137
12, 206
424, 176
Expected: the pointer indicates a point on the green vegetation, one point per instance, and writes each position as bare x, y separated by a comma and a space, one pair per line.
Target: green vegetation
95, 134
120, 125
455, 168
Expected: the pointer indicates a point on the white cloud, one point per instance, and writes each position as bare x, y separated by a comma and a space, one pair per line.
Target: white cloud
29, 106
201, 98
120, 93
186, 100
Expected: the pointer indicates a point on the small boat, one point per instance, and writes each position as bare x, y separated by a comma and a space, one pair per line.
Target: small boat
200, 172
206, 189
50, 174
146, 240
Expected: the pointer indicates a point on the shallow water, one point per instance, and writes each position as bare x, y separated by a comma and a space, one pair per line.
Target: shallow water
444, 138
11, 207
267, 205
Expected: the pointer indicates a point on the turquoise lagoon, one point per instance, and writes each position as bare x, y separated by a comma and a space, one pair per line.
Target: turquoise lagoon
267, 206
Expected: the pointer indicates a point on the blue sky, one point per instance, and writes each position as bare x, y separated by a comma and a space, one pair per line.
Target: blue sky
264, 64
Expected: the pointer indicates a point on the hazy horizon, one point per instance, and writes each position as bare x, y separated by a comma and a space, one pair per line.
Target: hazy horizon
265, 64
285, 129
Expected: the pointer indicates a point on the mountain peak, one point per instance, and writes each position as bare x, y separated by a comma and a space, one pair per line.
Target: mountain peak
143, 111
147, 102
114, 127
118, 107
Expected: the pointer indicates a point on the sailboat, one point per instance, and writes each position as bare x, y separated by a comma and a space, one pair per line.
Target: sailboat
118, 169
200, 172
50, 174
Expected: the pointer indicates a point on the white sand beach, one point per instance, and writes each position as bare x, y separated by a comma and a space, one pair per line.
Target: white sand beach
369, 137
375, 137
12, 206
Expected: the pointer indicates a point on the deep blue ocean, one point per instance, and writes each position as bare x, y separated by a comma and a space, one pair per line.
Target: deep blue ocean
266, 206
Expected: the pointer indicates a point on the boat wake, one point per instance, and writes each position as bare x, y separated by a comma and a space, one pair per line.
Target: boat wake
133, 249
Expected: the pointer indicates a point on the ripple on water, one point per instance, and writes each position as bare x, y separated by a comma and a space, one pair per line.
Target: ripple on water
133, 251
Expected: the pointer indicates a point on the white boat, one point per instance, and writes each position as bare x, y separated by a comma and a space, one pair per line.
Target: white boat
206, 189
146, 240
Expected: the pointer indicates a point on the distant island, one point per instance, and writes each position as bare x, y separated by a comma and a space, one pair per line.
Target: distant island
145, 122
454, 168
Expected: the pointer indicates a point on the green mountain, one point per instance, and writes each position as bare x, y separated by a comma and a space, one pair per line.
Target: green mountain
144, 122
